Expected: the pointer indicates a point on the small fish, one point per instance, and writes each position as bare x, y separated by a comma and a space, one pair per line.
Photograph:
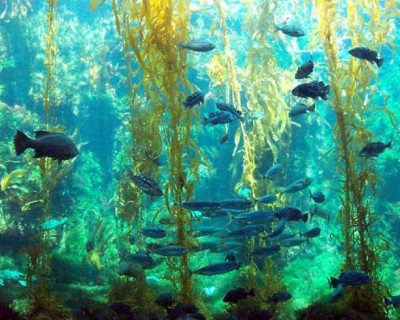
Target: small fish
130, 269
317, 211
236, 204
143, 259
304, 70
245, 232
257, 216
171, 251
279, 228
267, 251
229, 108
300, 108
275, 169
280, 296
312, 233
268, 198
350, 278
224, 139
291, 214
290, 29
53, 223
393, 301
220, 117
192, 100
234, 296
313, 89
318, 196
46, 144
200, 205
202, 231
230, 257
89, 245
294, 242
298, 185
366, 54
146, 184
373, 149
218, 268
197, 45
154, 232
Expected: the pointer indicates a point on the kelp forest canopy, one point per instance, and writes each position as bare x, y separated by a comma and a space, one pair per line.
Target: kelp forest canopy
210, 159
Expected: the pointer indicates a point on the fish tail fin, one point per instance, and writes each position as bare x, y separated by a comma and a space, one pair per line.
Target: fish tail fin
276, 28
379, 62
388, 302
312, 107
389, 144
181, 45
334, 282
304, 217
21, 142
252, 292
310, 193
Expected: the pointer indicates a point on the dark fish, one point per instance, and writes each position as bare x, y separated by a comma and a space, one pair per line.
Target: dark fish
300, 108
257, 216
236, 204
226, 246
294, 242
304, 70
154, 232
184, 311
218, 268
393, 301
229, 108
130, 269
192, 100
201, 231
165, 300
220, 117
171, 251
230, 257
123, 310
224, 139
337, 294
275, 169
46, 144
313, 89
279, 228
280, 296
318, 196
350, 278
268, 198
245, 232
267, 251
146, 184
312, 233
366, 54
89, 245
200, 205
197, 45
143, 259
317, 211
235, 295
290, 30
298, 185
291, 214
373, 149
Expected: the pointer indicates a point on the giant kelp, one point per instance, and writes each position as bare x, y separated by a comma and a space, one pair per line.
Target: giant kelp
351, 85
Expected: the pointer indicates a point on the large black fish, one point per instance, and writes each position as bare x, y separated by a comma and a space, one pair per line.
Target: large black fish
146, 184
366, 54
229, 108
47, 144
197, 45
313, 89
219, 117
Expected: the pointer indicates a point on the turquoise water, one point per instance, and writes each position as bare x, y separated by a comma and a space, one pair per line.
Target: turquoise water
146, 204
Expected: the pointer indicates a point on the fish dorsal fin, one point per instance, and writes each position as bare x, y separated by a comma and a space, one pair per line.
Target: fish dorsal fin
41, 133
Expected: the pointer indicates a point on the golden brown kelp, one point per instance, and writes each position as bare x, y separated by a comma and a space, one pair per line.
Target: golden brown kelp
150, 31
351, 85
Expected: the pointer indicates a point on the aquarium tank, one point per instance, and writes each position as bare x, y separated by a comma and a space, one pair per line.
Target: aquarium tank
199, 159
